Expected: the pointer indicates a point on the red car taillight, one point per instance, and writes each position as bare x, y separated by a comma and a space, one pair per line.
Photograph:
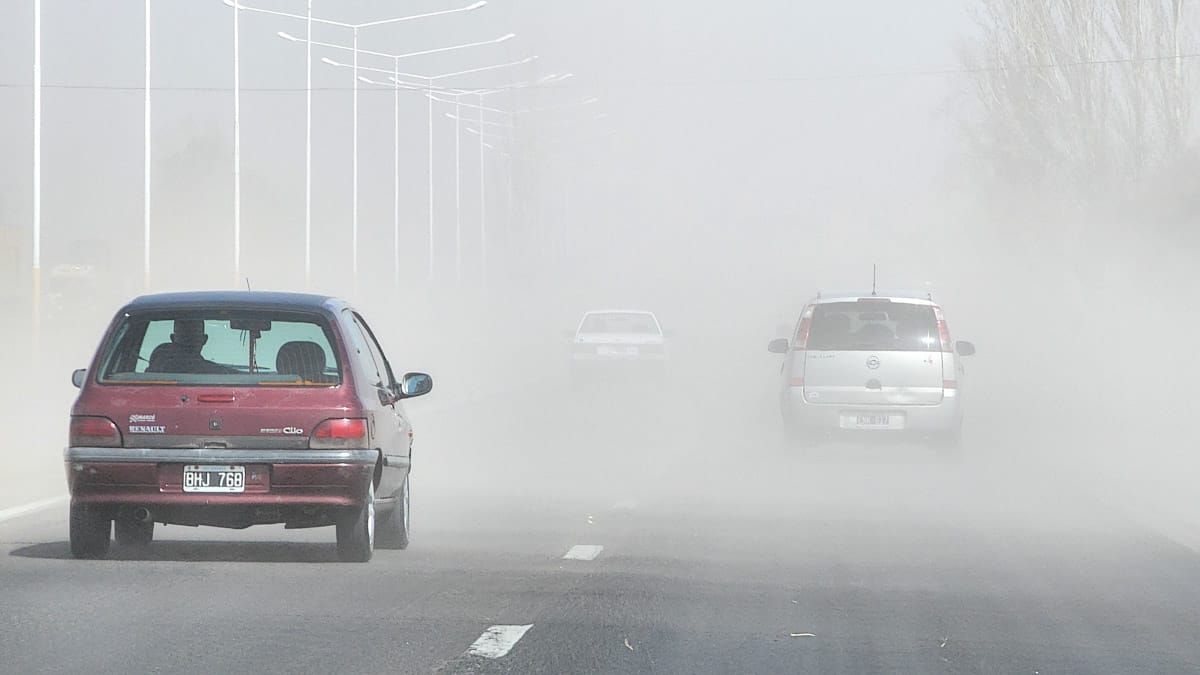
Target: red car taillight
339, 433
801, 342
94, 432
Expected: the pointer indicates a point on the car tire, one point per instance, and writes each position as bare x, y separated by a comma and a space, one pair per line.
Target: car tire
798, 440
395, 527
356, 531
949, 445
133, 533
91, 532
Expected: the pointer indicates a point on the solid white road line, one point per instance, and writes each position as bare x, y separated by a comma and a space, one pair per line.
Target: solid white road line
18, 511
583, 552
497, 641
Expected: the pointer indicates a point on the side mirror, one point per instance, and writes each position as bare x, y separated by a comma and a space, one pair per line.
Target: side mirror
964, 348
79, 377
415, 384
778, 346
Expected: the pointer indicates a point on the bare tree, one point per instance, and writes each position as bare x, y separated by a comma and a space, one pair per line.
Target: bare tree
1078, 100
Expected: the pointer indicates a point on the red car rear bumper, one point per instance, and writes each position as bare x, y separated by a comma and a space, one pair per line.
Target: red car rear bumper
152, 477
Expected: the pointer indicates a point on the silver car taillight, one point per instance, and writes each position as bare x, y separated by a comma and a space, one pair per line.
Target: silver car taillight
800, 343
943, 330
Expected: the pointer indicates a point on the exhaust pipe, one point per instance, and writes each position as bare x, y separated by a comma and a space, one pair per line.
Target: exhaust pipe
142, 515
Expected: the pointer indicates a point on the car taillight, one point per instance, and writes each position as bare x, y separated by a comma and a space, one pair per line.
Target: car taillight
949, 384
340, 433
94, 432
801, 342
943, 331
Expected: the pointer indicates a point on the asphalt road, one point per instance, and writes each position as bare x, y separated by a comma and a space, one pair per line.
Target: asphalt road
721, 552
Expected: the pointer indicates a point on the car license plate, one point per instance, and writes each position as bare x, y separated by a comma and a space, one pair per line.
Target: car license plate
872, 421
617, 351
211, 478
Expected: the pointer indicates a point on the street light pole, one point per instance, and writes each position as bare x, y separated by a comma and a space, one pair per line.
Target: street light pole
482, 204
396, 176
146, 165
398, 84
308, 19
354, 212
394, 75
237, 146
431, 229
482, 171
457, 189
36, 281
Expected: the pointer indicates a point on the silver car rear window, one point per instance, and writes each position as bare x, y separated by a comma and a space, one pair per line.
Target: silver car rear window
874, 326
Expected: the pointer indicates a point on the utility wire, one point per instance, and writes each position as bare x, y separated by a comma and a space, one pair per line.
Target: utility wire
676, 83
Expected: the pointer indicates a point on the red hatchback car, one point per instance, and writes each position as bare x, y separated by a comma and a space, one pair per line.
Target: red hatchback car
232, 409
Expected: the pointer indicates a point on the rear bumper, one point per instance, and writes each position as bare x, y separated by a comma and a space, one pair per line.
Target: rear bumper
221, 456
911, 420
645, 364
584, 360
280, 479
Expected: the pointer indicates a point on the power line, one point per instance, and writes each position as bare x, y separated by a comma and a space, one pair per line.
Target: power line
289, 90
705, 82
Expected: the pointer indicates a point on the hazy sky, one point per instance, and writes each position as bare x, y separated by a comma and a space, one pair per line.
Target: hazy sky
718, 113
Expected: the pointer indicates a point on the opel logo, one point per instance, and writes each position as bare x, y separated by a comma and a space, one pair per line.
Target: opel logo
873, 362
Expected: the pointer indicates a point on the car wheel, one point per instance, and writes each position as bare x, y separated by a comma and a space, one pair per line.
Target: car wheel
394, 529
133, 533
91, 531
356, 531
948, 445
798, 440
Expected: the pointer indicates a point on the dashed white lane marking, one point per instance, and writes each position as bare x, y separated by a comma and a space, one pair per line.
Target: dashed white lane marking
26, 509
583, 552
497, 641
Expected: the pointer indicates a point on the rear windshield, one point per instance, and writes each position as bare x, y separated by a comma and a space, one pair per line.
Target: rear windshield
222, 347
620, 322
872, 325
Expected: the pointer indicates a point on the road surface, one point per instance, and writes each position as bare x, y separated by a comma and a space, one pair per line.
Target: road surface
598, 536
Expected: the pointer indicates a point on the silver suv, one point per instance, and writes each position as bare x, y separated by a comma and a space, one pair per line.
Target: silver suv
873, 363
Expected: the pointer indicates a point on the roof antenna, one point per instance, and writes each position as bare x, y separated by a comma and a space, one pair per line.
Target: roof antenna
873, 293
247, 283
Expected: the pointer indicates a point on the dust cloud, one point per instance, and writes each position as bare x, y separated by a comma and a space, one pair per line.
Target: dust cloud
738, 158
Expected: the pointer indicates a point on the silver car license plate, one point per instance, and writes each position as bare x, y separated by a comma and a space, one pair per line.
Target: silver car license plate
214, 478
872, 421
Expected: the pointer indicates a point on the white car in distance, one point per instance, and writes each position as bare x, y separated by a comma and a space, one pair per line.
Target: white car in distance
618, 341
